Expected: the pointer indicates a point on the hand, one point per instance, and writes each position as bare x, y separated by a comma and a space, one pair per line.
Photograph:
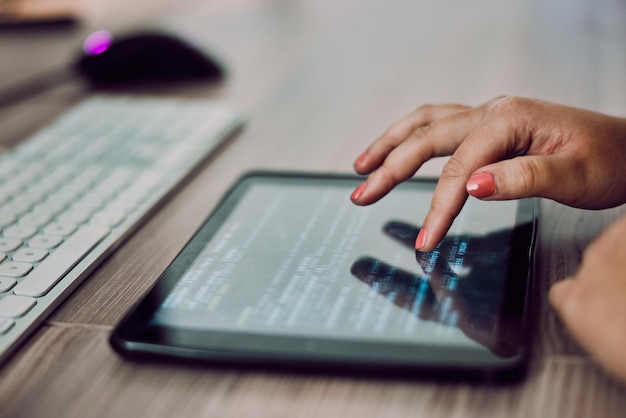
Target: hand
592, 304
506, 148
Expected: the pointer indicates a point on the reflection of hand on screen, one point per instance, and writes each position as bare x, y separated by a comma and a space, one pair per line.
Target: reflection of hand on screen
451, 291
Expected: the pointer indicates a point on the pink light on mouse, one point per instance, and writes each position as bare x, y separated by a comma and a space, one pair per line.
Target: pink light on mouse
97, 42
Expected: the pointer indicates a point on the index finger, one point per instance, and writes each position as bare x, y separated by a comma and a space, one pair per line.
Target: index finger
495, 139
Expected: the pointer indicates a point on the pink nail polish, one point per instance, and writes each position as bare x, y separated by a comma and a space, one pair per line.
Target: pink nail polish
357, 192
420, 241
481, 185
361, 158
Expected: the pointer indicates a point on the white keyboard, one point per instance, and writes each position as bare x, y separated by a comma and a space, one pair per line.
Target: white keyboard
71, 193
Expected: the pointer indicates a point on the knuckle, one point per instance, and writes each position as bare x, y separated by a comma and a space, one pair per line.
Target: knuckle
528, 177
513, 114
389, 176
507, 104
421, 132
426, 110
533, 178
398, 132
454, 168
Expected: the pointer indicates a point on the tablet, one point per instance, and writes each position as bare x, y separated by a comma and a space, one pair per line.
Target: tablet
287, 271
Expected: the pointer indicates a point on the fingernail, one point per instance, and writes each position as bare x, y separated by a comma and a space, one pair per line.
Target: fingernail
361, 158
481, 185
357, 192
421, 239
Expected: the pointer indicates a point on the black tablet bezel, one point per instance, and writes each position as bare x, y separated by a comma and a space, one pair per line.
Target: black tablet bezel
136, 337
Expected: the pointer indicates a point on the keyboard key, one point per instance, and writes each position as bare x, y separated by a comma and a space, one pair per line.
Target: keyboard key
14, 269
6, 283
8, 168
35, 219
53, 268
30, 255
17, 207
16, 306
45, 241
5, 325
54, 204
7, 219
9, 244
73, 216
87, 206
60, 228
20, 231
108, 218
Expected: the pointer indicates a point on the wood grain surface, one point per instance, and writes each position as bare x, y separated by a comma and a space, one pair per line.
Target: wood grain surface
318, 80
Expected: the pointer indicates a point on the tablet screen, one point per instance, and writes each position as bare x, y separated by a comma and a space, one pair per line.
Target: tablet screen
294, 257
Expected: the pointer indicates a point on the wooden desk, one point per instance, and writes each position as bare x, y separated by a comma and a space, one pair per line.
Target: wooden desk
319, 80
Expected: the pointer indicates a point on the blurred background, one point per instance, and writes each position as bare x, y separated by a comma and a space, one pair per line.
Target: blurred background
332, 58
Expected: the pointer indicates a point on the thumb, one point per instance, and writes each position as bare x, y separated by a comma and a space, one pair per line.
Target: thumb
547, 176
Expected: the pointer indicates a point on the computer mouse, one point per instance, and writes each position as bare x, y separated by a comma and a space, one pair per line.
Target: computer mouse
144, 57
